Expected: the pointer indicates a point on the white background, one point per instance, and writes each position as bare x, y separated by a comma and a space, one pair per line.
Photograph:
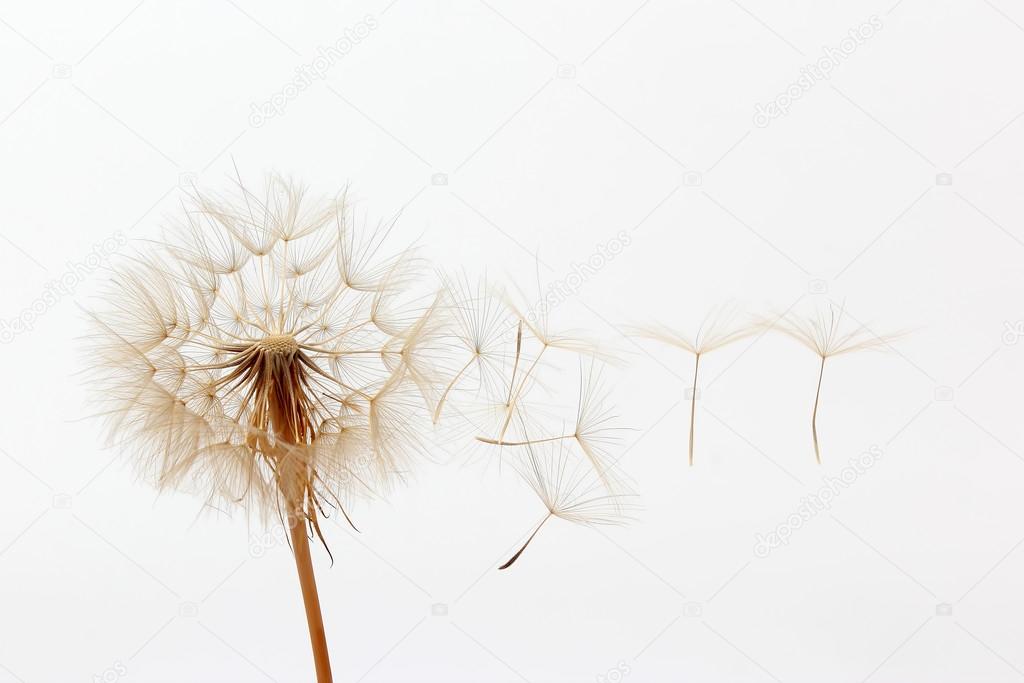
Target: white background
557, 125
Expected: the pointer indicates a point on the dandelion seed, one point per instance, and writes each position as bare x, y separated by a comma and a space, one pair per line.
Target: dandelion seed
478, 332
569, 490
718, 329
823, 334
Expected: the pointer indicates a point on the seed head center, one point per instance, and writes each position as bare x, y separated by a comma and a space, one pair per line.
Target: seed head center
279, 345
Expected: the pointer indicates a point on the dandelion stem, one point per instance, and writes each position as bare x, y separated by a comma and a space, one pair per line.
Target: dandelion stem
814, 413
520, 552
529, 442
447, 389
515, 397
515, 364
693, 402
290, 428
310, 598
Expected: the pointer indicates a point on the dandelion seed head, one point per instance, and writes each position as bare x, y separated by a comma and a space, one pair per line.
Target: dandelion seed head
265, 354
278, 345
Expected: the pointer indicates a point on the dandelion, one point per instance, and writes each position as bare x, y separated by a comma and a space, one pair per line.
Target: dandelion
718, 329
265, 356
823, 334
569, 490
